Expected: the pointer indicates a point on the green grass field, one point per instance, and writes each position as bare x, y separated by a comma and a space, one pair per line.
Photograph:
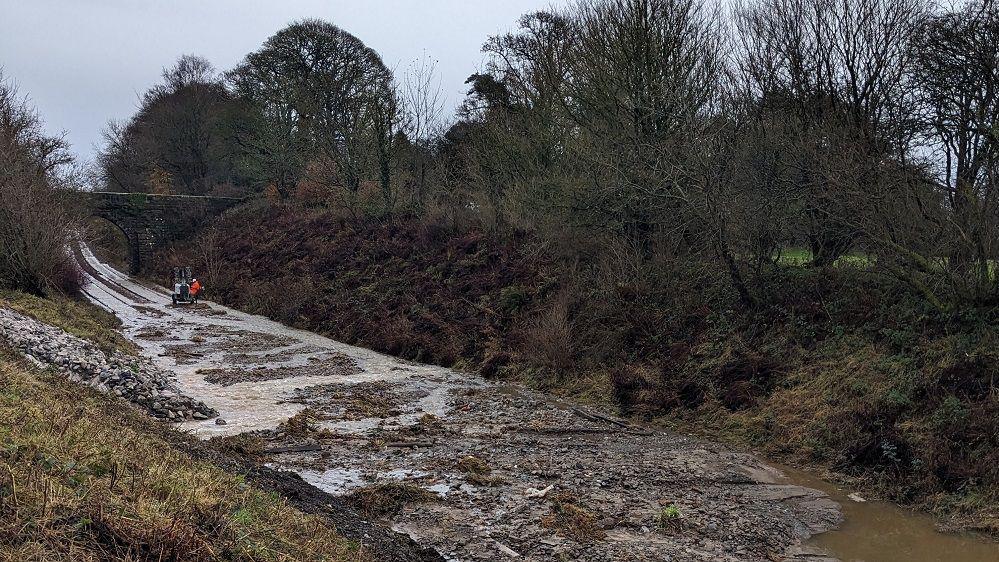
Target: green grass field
797, 257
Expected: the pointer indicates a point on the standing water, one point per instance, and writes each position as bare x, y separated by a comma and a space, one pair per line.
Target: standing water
875, 531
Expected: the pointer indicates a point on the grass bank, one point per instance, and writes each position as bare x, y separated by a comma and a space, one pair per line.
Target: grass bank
74, 316
83, 480
410, 289
86, 477
837, 368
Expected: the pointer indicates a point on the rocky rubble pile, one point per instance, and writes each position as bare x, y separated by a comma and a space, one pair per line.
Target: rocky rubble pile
129, 377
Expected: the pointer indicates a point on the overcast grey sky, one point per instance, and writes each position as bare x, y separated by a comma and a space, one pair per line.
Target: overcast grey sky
83, 62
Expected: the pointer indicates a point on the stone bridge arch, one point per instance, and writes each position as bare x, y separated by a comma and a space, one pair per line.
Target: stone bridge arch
148, 220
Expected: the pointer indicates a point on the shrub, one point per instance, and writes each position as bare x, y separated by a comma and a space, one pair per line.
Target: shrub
550, 338
36, 226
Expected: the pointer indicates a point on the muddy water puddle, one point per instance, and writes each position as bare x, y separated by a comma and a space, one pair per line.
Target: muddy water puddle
875, 531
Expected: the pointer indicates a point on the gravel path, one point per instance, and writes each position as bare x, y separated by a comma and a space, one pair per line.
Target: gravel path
476, 470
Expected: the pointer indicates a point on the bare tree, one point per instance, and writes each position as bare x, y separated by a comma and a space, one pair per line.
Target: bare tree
36, 227
641, 78
958, 79
424, 109
837, 74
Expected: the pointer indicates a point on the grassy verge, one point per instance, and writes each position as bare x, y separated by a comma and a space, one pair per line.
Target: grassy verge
81, 480
76, 317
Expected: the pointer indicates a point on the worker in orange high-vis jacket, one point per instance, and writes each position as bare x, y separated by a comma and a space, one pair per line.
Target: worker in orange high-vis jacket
195, 289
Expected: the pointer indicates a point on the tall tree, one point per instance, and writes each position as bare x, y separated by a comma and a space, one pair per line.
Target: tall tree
958, 77
322, 95
424, 108
836, 75
597, 103
180, 139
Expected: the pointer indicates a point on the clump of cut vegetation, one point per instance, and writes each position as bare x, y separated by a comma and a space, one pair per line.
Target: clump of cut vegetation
473, 465
429, 423
570, 519
83, 481
303, 424
477, 471
388, 498
361, 405
483, 479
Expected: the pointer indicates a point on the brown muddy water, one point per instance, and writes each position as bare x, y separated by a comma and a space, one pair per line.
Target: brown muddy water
875, 531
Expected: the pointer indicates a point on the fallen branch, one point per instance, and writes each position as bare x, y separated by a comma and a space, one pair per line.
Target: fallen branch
293, 449
564, 430
404, 444
599, 417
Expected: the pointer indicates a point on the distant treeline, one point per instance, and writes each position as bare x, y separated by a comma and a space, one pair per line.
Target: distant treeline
661, 139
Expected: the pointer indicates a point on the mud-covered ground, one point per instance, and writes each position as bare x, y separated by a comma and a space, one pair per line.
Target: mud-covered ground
478, 471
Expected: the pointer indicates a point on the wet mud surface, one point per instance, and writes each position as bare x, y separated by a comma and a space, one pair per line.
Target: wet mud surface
505, 461
475, 470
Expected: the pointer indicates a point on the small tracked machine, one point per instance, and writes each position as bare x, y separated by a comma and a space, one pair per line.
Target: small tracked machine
182, 286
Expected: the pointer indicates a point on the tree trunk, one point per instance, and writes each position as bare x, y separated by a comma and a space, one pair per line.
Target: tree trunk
963, 254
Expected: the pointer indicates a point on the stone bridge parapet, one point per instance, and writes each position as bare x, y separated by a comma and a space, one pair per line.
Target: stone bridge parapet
148, 220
